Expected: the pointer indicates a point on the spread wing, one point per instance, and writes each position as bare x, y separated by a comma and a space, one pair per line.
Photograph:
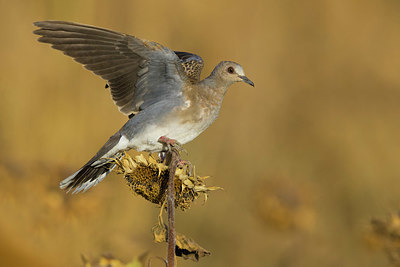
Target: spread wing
138, 72
192, 65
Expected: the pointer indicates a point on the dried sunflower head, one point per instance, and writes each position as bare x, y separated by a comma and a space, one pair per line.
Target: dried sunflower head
283, 205
149, 179
108, 260
384, 234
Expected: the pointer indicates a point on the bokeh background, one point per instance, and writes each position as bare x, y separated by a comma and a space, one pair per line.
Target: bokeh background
306, 158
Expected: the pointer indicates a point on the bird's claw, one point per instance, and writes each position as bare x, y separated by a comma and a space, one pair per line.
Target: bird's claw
169, 143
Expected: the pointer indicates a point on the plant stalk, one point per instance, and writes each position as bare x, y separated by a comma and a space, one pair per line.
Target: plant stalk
172, 158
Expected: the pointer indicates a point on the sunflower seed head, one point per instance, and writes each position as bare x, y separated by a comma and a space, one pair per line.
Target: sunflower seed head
148, 178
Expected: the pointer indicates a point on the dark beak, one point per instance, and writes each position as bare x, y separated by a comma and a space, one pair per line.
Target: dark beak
247, 80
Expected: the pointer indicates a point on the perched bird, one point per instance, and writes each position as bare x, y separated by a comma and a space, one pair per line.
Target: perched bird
159, 89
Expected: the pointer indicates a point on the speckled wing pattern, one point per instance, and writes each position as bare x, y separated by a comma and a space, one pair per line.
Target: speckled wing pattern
192, 65
139, 72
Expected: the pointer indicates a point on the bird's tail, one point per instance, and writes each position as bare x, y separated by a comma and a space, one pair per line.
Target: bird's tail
96, 169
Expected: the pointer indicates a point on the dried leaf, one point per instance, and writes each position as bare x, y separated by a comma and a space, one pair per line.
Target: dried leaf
159, 233
141, 159
188, 183
202, 188
186, 247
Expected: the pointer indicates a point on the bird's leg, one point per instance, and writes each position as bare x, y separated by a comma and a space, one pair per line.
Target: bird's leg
162, 155
168, 142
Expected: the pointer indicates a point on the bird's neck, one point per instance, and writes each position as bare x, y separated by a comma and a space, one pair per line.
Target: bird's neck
215, 85
212, 91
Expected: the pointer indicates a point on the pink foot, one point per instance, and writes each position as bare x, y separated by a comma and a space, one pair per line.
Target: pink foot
168, 144
167, 141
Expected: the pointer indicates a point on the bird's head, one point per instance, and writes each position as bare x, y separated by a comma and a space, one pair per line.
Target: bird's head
231, 72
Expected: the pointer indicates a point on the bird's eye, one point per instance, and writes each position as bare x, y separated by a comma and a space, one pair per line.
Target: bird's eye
231, 70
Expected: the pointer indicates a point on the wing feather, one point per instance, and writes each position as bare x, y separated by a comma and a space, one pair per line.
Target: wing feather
139, 73
192, 65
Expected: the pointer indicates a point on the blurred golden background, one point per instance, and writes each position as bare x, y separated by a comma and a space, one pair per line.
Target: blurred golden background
306, 158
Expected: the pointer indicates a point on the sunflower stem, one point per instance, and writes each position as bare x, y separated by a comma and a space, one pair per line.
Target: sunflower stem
172, 160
